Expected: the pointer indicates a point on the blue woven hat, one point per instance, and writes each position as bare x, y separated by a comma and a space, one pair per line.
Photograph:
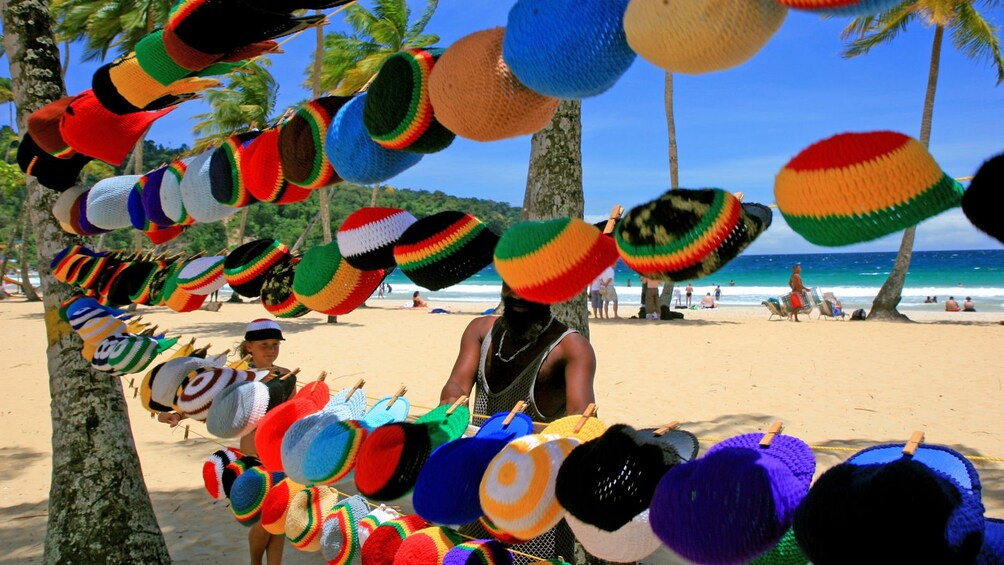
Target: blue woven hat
383, 412
567, 48
331, 455
993, 543
495, 427
447, 490
151, 198
248, 493
355, 155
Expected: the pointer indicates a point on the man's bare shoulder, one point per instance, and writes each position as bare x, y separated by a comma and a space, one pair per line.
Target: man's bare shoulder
574, 344
481, 325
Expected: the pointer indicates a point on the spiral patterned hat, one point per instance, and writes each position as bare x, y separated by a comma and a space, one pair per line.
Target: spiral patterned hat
276, 504
444, 249
262, 172
108, 202
225, 176
245, 267
567, 49
197, 395
301, 143
398, 114
701, 36
856, 187
326, 283
981, 202
202, 276
247, 495
686, 234
852, 8
551, 261
170, 192
355, 156
367, 236
277, 291
306, 514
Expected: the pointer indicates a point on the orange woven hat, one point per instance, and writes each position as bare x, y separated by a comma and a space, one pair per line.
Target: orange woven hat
475, 95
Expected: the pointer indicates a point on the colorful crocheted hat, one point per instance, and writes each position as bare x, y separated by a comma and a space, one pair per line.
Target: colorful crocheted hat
551, 261
326, 283
64, 203
567, 49
306, 514
447, 489
688, 234
376, 518
478, 552
197, 395
367, 236
390, 459
786, 552
476, 96
212, 470
981, 202
166, 381
78, 218
177, 299
273, 427
703, 36
247, 494
124, 87
43, 126
592, 428
856, 187
52, 172
444, 249
158, 235
428, 545
237, 409
851, 8
629, 543
383, 544
301, 434
126, 353
398, 114
108, 202
262, 171
196, 23
445, 425
197, 193
235, 469
150, 197
339, 536
245, 267
140, 289
736, 502
355, 156
137, 215
276, 504
993, 543
202, 276
97, 330
225, 177
90, 128
331, 455
301, 143
170, 192
277, 291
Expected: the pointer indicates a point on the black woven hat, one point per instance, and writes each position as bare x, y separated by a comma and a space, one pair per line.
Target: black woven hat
983, 201
277, 291
52, 172
158, 282
245, 267
444, 249
225, 173
129, 282
412, 442
139, 291
222, 26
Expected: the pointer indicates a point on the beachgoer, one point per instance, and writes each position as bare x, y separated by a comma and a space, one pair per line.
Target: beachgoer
651, 297
629, 282
596, 297
707, 301
690, 291
934, 299
838, 310
417, 302
732, 283
678, 297
797, 288
951, 305
718, 293
608, 291
968, 305
380, 290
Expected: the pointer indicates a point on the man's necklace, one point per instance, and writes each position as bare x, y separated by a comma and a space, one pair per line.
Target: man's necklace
498, 353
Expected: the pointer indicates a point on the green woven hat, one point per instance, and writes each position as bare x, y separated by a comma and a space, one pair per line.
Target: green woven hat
301, 143
445, 427
325, 282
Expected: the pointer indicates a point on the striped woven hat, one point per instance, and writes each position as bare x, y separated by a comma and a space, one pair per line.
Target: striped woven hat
852, 8
43, 125
688, 234
247, 495
212, 470
856, 187
367, 236
566, 48
108, 202
277, 291
235, 469
276, 504
340, 536
139, 290
170, 192
197, 23
301, 143
478, 552
476, 96
306, 514
126, 353
701, 36
262, 172
981, 202
225, 177
150, 197
202, 276
178, 299
245, 267
444, 249
390, 459
64, 203
52, 172
551, 261
331, 455
197, 192
197, 394
355, 156
137, 214
97, 330
398, 114
90, 271
117, 287
326, 283
125, 87
376, 518
384, 542
158, 235
428, 545
158, 282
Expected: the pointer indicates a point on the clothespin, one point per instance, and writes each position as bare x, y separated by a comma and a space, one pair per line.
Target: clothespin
670, 426
768, 437
292, 373
359, 384
191, 342
586, 415
913, 443
615, 214
739, 196
186, 431
149, 331
518, 407
456, 404
320, 379
400, 392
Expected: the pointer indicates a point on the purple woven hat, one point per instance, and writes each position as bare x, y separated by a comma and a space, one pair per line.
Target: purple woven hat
151, 198
734, 503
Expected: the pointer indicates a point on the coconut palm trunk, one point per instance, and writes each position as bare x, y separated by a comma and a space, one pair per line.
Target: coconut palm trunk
99, 508
666, 297
26, 287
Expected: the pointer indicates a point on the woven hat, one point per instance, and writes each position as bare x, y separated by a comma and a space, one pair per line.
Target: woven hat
93, 130
193, 59
156, 63
390, 459
852, 8
277, 291
51, 172
981, 202
367, 236
993, 543
736, 502
384, 542
398, 113
137, 215
238, 409
376, 518
331, 455
688, 234
158, 235
301, 143
150, 197
567, 49
444, 249
262, 173
212, 470
64, 202
177, 299
300, 435
444, 425
428, 545
629, 543
355, 156
43, 125
306, 514
786, 552
107, 202
197, 24
197, 394
517, 491
245, 267
124, 87
339, 534
478, 552
498, 533
856, 187
197, 192
276, 504
262, 329
90, 272
202, 276
139, 289
235, 469
247, 495
170, 192
703, 36
97, 330
386, 412
447, 489
126, 353
551, 261
326, 283
495, 426
78, 218
225, 177
275, 424
476, 96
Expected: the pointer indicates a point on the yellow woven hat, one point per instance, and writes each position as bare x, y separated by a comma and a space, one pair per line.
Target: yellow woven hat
591, 428
305, 516
700, 36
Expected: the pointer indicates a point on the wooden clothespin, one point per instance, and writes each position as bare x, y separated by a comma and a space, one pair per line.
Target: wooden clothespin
191, 342
186, 431
149, 331
292, 373
739, 196
670, 426
400, 392
320, 379
586, 415
772, 432
456, 404
359, 384
615, 215
517, 408
245, 360
913, 443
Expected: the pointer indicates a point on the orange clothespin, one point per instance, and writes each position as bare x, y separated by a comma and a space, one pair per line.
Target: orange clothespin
512, 413
615, 215
292, 373
913, 443
400, 392
586, 415
670, 426
359, 384
456, 404
768, 437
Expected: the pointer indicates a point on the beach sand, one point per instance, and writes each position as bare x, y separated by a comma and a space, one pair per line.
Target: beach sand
840, 386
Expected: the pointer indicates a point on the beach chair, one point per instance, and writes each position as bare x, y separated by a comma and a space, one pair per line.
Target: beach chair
827, 307
775, 308
787, 307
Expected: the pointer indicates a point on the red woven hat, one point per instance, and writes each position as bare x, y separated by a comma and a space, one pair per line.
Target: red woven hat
317, 392
367, 236
275, 505
43, 125
89, 128
272, 428
261, 170
382, 545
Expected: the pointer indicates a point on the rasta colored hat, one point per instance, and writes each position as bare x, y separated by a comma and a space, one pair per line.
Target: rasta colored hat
261, 171
340, 536
477, 97
202, 276
736, 502
447, 489
276, 504
170, 192
390, 459
225, 178
376, 518
140, 289
385, 541
306, 514
856, 187
43, 125
277, 291
367, 236
551, 261
262, 328
137, 215
325, 282
852, 8
428, 545
124, 87
235, 469
212, 470
331, 455
355, 156
786, 552
565, 48
398, 114
301, 434
247, 495
97, 330
629, 543
52, 172
108, 202
700, 36
273, 427
301, 143
478, 552
238, 409
981, 202
177, 299
90, 128
150, 198
245, 267
197, 193
444, 249
687, 234
197, 395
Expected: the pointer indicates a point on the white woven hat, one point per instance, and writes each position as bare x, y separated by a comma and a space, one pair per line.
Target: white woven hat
108, 202
197, 395
64, 203
237, 409
631, 542
172, 374
170, 191
202, 276
197, 192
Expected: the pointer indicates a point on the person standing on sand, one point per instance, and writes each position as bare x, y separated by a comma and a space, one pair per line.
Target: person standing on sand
690, 292
650, 291
608, 291
718, 293
797, 288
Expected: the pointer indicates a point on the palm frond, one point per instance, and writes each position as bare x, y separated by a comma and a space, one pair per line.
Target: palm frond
422, 41
977, 38
418, 27
393, 11
876, 30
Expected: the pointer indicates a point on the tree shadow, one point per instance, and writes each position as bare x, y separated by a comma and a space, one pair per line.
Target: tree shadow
22, 532
16, 460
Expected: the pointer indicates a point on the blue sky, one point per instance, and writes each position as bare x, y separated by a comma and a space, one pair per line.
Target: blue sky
736, 128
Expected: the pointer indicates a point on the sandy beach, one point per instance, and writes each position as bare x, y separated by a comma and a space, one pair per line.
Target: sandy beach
840, 386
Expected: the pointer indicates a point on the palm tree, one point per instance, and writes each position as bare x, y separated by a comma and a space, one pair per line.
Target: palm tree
107, 24
972, 34
249, 98
666, 297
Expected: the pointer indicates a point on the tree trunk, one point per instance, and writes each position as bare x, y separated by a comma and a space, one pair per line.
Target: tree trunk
674, 158
26, 288
99, 507
889, 296
242, 227
11, 239
375, 195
